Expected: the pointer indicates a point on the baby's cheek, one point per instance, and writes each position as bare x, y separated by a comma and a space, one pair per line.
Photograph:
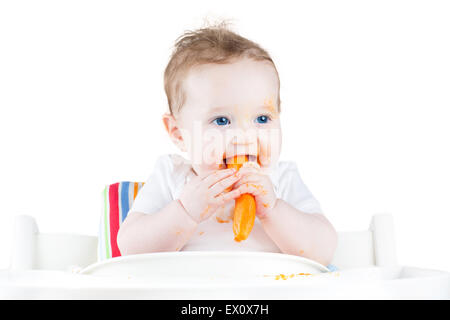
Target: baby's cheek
267, 155
213, 160
269, 146
210, 152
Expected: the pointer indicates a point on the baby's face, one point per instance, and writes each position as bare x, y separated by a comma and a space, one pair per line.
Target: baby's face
230, 109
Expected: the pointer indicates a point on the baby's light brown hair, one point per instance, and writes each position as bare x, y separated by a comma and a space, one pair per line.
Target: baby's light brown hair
213, 44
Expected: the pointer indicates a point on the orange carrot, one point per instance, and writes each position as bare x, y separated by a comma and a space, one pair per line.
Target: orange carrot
244, 207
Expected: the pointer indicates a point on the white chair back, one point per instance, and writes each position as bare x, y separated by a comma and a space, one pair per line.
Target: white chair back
35, 250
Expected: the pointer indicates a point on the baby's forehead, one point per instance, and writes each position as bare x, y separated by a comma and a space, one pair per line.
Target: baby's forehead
267, 105
245, 82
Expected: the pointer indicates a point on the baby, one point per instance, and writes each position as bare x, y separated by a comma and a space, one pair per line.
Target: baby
223, 96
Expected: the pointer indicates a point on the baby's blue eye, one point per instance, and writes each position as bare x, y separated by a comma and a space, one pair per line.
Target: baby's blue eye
262, 119
221, 121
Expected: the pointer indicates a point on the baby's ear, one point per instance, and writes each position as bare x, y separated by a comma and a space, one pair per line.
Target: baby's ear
174, 131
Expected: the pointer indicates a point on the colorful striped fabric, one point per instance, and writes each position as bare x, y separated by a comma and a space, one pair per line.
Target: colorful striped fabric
117, 199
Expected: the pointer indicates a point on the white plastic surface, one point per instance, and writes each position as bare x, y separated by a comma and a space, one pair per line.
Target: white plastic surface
382, 227
364, 283
23, 251
34, 250
354, 250
57, 251
202, 266
214, 275
222, 275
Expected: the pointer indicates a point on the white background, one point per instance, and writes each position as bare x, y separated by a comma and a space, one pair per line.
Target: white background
365, 89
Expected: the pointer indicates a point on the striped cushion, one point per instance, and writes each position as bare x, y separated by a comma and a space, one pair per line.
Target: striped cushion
117, 201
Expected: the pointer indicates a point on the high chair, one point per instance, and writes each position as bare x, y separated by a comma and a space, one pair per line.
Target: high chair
47, 265
52, 251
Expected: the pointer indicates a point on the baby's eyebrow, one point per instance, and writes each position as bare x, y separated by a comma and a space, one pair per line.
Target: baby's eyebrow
217, 109
223, 109
270, 109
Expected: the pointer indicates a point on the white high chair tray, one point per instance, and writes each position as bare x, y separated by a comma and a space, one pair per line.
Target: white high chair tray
190, 267
223, 275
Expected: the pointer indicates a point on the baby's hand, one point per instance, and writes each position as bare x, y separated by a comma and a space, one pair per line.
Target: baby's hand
202, 195
259, 185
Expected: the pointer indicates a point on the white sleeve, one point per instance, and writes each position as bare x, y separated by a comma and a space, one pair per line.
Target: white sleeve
157, 190
294, 191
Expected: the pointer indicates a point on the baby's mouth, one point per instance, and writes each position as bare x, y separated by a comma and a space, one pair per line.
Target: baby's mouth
250, 158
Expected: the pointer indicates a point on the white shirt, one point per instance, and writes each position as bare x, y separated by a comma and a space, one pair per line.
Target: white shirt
172, 172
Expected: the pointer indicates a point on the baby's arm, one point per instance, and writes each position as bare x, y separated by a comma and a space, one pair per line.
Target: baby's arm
293, 231
309, 235
170, 228
166, 230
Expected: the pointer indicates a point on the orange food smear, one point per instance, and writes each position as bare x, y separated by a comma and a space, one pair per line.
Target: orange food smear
205, 211
269, 103
219, 220
292, 275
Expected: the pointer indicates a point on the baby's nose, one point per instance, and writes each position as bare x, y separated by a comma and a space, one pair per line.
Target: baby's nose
247, 137
245, 143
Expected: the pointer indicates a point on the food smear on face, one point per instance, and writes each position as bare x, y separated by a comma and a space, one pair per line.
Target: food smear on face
269, 103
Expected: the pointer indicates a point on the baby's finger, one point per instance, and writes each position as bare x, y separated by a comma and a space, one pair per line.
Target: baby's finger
223, 198
247, 171
216, 176
225, 183
251, 188
248, 179
196, 179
